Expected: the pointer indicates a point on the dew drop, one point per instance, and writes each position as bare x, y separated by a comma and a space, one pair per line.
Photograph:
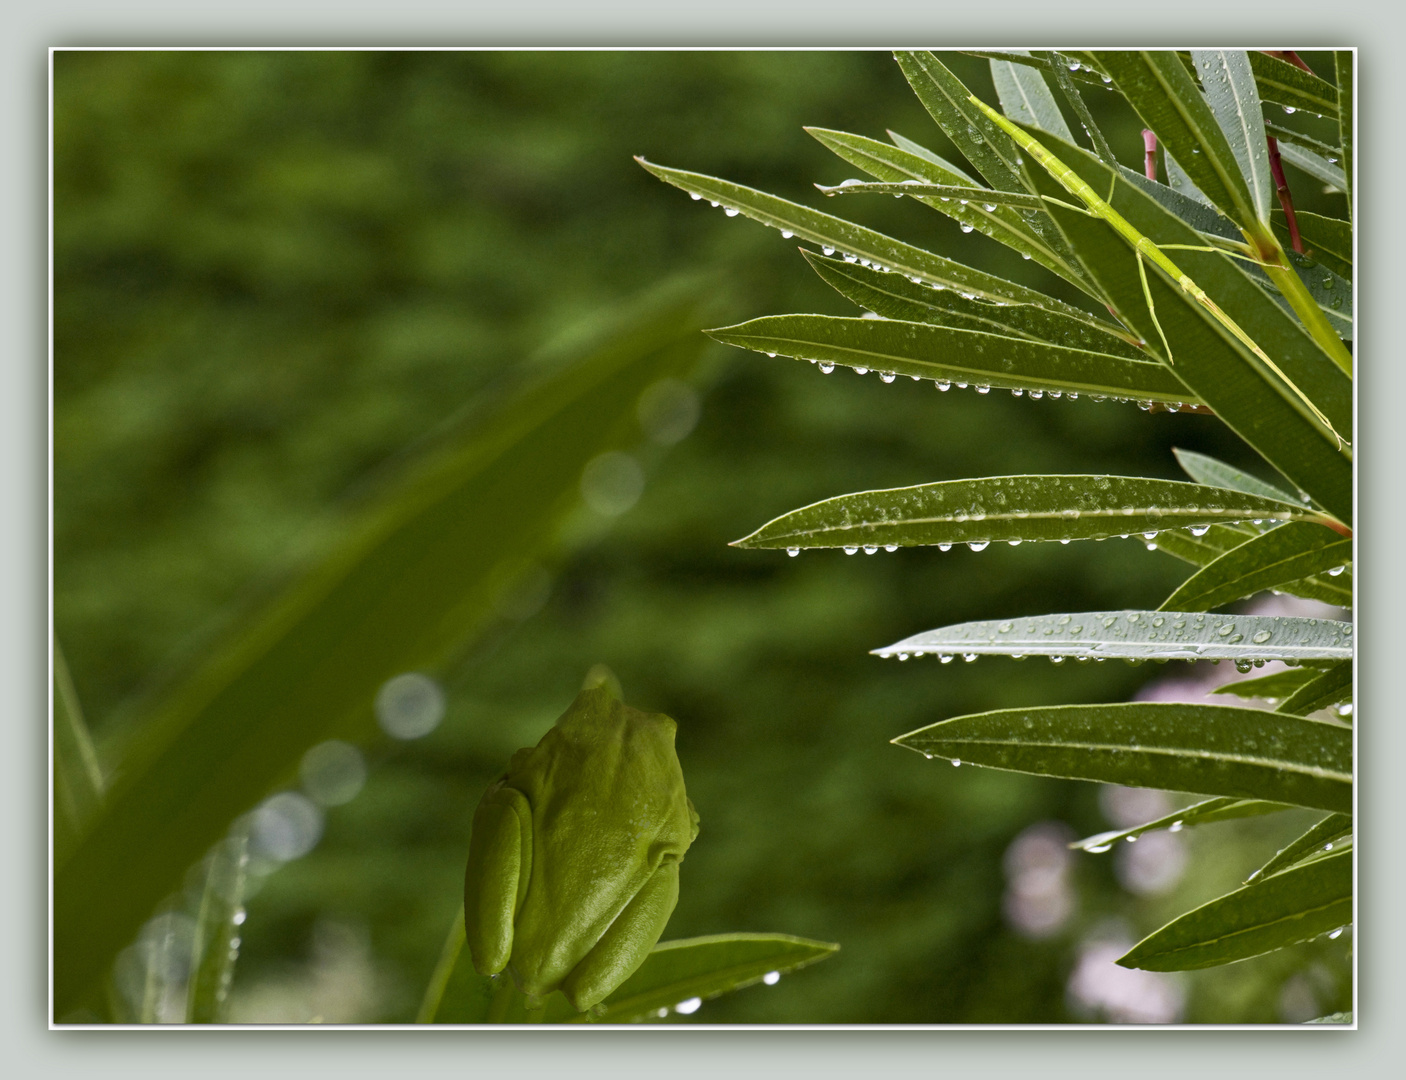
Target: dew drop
966, 227
694, 196
827, 249
786, 234
944, 547
1013, 543
826, 366
1199, 530
890, 547
978, 545
887, 376
861, 371
942, 384
1261, 637
870, 549
1036, 395
1099, 850
1336, 933
771, 978
850, 550
1017, 392
1176, 826
729, 211
956, 762
1336, 571
944, 658
793, 551
969, 657
1056, 659
982, 388
1290, 109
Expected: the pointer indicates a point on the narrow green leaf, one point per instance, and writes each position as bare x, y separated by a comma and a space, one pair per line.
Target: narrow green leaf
1205, 469
1297, 138
941, 192
896, 297
1326, 239
78, 780
1296, 550
1025, 97
707, 967
1229, 84
1285, 84
990, 150
1059, 68
1198, 214
456, 993
1273, 687
1326, 689
1208, 749
1295, 905
1085, 73
1202, 813
919, 150
1206, 548
1342, 65
1320, 168
1181, 182
1333, 1018
1165, 96
835, 234
1256, 404
217, 931
414, 578
998, 508
1137, 636
1325, 836
949, 355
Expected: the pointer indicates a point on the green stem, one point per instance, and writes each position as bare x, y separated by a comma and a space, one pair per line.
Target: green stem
448, 957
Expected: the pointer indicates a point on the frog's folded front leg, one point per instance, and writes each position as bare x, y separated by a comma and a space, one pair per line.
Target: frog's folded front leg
495, 881
627, 941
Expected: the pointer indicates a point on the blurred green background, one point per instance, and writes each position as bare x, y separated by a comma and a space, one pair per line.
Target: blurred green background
276, 270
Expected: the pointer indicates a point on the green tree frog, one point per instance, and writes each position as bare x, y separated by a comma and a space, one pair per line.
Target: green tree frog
574, 856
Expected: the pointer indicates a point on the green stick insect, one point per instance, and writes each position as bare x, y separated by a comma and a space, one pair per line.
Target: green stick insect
1144, 248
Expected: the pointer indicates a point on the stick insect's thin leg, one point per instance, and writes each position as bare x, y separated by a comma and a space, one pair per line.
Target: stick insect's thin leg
1151, 308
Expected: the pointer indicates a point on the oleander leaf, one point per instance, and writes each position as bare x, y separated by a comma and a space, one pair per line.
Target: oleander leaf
1059, 68
1005, 508
1342, 69
1208, 749
1283, 83
1273, 687
1025, 97
1328, 688
217, 930
1275, 558
78, 780
1318, 167
1229, 85
950, 355
941, 192
1205, 469
1294, 905
1326, 239
1202, 813
1085, 73
1324, 836
1137, 636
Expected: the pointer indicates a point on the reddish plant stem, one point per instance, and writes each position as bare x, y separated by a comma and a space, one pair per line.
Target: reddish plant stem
1286, 198
1291, 57
1149, 148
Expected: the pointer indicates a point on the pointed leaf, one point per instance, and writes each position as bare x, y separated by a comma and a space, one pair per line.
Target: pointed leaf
217, 931
896, 297
1008, 508
1165, 96
1285, 84
78, 780
1328, 688
1181, 182
1269, 687
1297, 138
1229, 83
1137, 636
1085, 72
919, 150
941, 192
1342, 64
414, 576
1207, 470
946, 354
1059, 68
1326, 239
1320, 168
1296, 550
1025, 97
1202, 813
839, 235
1209, 749
1324, 836
1206, 548
1192, 211
1295, 905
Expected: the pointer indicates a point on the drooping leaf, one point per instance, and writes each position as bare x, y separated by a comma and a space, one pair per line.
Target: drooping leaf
1025, 97
415, 575
1320, 168
1328, 688
896, 297
1342, 65
1273, 687
1005, 508
1332, 294
1202, 813
1296, 550
950, 355
902, 142
1165, 96
78, 779
1198, 214
1063, 77
1085, 73
1180, 182
1326, 239
1137, 635
217, 931
1206, 749
1324, 836
1229, 84
1205, 548
1205, 469
835, 234
1294, 905
1285, 84
1283, 134
941, 192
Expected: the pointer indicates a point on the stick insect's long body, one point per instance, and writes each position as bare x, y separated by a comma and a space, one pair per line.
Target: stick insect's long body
1145, 249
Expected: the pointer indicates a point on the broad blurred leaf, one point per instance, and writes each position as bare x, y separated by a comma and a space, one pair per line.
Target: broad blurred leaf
78, 780
1025, 97
1294, 905
948, 354
896, 297
997, 508
1208, 749
1324, 836
1165, 96
415, 575
1229, 84
1282, 82
1329, 688
1292, 551
1138, 635
1202, 813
